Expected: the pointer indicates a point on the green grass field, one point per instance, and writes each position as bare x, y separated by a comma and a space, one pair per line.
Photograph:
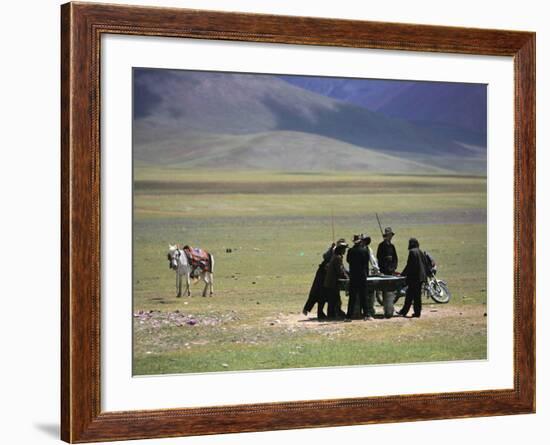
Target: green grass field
277, 225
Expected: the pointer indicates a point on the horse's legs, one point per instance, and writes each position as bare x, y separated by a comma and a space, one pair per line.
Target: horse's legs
208, 284
188, 284
205, 279
211, 274
178, 284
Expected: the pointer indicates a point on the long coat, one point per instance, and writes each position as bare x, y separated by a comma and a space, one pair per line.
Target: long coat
358, 258
387, 257
316, 290
415, 270
335, 271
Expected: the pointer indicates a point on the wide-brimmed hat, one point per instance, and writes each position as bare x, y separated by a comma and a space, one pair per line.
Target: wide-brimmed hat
366, 238
342, 242
388, 231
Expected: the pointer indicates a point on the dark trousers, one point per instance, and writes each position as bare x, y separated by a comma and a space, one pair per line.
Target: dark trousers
334, 303
358, 291
312, 300
414, 297
321, 301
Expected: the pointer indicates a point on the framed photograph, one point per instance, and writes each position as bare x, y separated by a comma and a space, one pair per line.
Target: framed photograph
274, 222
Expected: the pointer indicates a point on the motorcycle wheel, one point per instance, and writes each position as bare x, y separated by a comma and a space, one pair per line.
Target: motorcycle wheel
439, 292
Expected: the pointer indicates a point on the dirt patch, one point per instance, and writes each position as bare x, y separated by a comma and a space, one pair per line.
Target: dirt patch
433, 312
159, 319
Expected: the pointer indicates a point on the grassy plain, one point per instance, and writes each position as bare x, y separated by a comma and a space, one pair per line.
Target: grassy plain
277, 225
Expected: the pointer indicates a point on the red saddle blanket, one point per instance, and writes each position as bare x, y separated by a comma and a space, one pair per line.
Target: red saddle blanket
199, 258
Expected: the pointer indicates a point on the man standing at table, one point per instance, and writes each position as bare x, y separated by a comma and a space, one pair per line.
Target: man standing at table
415, 273
358, 260
331, 284
387, 262
316, 292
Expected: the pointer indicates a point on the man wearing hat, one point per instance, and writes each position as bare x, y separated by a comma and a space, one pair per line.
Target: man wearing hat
387, 262
358, 259
331, 285
316, 294
415, 271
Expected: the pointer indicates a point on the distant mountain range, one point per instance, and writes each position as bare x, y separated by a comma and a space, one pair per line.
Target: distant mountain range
226, 120
459, 105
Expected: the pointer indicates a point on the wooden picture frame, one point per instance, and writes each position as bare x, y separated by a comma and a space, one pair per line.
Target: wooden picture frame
82, 26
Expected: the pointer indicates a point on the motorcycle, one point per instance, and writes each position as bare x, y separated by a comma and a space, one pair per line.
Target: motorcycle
432, 288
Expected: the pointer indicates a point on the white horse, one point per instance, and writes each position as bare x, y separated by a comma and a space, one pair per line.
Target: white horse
180, 264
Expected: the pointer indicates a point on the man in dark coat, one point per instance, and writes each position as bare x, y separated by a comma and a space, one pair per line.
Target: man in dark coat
358, 258
316, 295
415, 273
331, 284
386, 253
387, 262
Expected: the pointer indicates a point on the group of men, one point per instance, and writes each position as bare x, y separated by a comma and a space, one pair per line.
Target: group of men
325, 289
